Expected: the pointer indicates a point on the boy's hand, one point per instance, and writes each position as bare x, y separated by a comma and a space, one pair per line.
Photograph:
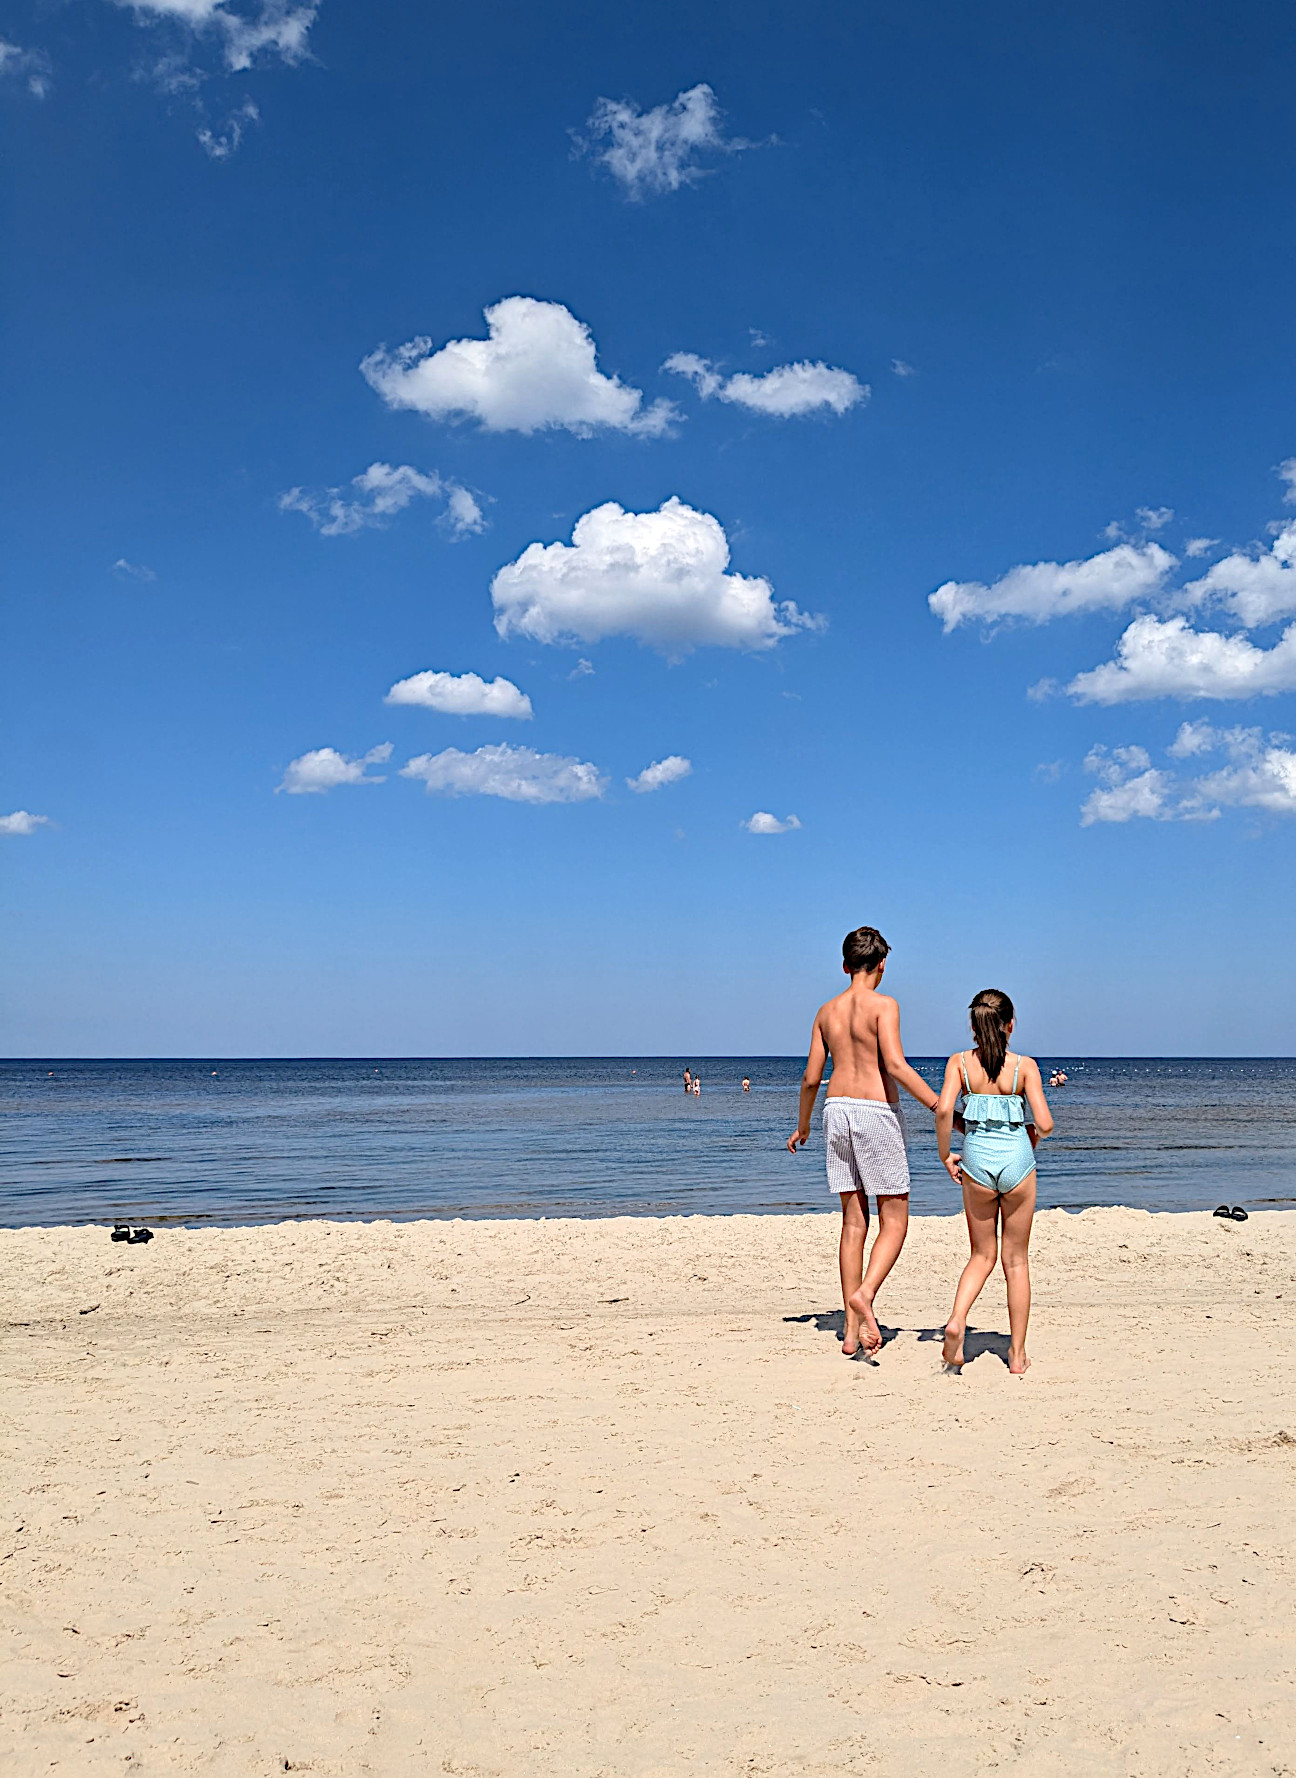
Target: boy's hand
797, 1139
951, 1166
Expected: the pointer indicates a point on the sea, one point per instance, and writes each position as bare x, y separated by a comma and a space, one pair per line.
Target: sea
216, 1141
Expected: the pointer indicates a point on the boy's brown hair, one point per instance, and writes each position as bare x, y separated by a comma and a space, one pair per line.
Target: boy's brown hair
863, 949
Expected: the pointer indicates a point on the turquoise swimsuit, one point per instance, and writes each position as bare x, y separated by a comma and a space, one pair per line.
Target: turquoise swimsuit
997, 1152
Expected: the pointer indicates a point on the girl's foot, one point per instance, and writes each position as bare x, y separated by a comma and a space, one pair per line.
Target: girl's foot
862, 1306
850, 1344
952, 1347
1018, 1364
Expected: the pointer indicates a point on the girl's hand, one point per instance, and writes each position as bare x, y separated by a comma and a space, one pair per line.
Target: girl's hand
950, 1162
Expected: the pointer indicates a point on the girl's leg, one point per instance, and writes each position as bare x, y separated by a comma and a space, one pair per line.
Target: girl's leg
893, 1226
1018, 1212
981, 1207
850, 1262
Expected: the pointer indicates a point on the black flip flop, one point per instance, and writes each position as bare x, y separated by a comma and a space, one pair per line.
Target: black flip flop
121, 1232
1238, 1213
1222, 1210
138, 1235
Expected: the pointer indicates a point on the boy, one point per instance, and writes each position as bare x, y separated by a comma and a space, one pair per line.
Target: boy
863, 1134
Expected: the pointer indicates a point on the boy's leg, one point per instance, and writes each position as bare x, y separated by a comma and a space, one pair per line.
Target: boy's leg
850, 1261
893, 1226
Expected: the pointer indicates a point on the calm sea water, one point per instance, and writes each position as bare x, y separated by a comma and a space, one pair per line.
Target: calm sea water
249, 1141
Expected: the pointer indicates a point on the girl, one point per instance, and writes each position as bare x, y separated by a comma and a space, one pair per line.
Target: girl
997, 1167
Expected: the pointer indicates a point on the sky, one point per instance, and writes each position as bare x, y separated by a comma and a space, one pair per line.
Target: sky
524, 525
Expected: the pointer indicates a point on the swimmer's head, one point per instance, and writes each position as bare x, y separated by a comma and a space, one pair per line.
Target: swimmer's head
863, 950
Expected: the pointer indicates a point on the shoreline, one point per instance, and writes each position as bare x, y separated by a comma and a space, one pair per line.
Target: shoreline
589, 1498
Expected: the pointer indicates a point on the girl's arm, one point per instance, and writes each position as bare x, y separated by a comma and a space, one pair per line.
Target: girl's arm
1040, 1113
950, 1089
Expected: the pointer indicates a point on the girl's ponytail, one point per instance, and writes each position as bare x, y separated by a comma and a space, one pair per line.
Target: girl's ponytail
992, 1013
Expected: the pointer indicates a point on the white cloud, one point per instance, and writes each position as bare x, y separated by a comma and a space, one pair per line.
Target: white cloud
1287, 472
1131, 786
1039, 591
383, 490
1154, 518
518, 774
272, 27
582, 669
661, 772
1261, 774
786, 391
32, 66
221, 144
463, 694
20, 822
1165, 658
325, 768
537, 368
650, 152
763, 822
125, 570
1258, 588
900, 369
1199, 546
658, 576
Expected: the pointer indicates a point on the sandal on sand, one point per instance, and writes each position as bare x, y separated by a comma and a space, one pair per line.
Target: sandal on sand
120, 1232
138, 1235
1238, 1213
1222, 1210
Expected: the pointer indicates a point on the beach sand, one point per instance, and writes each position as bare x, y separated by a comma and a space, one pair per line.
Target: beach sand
602, 1498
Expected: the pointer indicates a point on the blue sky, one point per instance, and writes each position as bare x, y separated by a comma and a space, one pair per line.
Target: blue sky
1026, 278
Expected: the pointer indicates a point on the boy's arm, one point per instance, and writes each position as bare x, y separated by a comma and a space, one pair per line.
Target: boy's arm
811, 1081
892, 1053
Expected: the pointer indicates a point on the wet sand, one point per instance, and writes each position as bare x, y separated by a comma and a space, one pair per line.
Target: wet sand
601, 1499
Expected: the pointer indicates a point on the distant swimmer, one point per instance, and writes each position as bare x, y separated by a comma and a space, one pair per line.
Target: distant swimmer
746, 1083
697, 1086
688, 1080
1058, 1078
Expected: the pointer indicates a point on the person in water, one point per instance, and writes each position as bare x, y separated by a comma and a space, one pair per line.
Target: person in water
688, 1080
1004, 1114
746, 1083
863, 1134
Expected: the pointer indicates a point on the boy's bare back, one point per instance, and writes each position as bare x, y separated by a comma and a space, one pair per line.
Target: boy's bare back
854, 1026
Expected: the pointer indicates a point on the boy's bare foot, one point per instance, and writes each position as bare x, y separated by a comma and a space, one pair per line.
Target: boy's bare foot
850, 1344
1018, 1366
952, 1347
862, 1306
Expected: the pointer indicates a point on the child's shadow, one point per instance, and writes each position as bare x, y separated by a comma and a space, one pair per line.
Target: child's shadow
833, 1321
974, 1343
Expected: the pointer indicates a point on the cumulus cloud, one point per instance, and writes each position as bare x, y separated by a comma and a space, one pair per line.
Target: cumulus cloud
518, 774
1199, 546
31, 66
1166, 658
20, 823
661, 772
221, 143
537, 368
1039, 591
786, 391
1260, 774
763, 822
658, 576
125, 570
266, 27
651, 152
1259, 587
462, 694
325, 768
381, 491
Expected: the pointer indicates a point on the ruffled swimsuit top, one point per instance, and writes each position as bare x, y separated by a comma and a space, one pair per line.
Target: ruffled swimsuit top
994, 1111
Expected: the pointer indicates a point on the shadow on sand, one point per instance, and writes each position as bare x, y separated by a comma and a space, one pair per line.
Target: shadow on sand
833, 1321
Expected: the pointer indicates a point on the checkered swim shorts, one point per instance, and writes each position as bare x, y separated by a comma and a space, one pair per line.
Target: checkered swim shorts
864, 1141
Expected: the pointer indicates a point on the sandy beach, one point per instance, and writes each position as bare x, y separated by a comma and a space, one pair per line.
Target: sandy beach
603, 1498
